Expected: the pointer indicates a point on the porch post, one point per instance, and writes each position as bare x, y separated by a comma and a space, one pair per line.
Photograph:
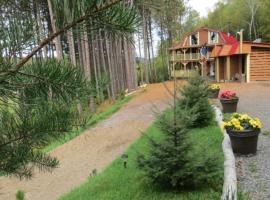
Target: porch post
240, 64
228, 67
248, 68
185, 69
217, 70
202, 64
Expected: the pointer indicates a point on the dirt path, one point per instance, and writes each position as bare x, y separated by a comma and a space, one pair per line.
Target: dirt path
94, 149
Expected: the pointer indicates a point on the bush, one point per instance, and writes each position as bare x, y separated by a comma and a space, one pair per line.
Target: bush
20, 195
171, 162
176, 161
195, 97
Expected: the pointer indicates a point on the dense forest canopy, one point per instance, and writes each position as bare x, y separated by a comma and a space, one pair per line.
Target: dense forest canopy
233, 15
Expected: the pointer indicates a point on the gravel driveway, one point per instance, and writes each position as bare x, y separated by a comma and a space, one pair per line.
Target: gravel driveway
94, 149
254, 171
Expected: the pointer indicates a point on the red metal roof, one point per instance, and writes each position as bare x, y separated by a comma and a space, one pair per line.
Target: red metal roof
228, 39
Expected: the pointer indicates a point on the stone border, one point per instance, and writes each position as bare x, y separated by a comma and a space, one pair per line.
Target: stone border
230, 180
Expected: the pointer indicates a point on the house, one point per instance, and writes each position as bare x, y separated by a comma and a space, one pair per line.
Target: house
220, 56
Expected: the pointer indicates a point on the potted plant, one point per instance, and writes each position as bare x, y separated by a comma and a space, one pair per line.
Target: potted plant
214, 91
229, 101
243, 131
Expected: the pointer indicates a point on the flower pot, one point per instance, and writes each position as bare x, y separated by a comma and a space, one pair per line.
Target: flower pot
229, 105
214, 94
244, 142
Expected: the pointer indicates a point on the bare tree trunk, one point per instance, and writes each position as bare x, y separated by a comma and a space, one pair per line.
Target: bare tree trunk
146, 66
140, 57
71, 46
86, 51
152, 48
112, 78
57, 40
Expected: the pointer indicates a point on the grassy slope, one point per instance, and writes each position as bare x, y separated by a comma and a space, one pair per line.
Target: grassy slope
93, 120
117, 183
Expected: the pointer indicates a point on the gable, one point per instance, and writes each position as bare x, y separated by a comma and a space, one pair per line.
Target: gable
207, 36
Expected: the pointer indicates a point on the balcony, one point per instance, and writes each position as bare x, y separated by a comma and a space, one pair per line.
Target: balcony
187, 57
184, 73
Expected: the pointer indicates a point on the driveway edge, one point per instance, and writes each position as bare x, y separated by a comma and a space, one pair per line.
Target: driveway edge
230, 180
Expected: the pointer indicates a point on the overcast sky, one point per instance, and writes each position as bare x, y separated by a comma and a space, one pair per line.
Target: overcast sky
202, 6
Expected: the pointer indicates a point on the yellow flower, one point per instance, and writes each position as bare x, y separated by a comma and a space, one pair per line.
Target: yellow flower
214, 87
259, 124
241, 128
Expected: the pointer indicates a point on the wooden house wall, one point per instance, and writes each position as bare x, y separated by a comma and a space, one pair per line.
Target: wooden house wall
235, 65
222, 65
260, 64
203, 37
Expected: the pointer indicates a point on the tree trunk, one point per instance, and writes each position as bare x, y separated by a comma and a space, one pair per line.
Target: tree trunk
146, 66
71, 46
57, 40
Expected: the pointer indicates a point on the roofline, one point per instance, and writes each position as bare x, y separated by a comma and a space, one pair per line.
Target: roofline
194, 46
203, 28
257, 43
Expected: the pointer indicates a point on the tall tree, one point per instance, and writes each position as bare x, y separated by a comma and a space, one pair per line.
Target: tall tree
36, 98
57, 40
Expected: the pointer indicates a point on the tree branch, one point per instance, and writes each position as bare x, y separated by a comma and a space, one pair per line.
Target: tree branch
45, 41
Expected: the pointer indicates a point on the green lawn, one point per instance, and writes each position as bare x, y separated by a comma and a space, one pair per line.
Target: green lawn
118, 183
92, 121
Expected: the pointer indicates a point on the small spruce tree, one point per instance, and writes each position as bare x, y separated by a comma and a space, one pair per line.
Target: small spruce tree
172, 161
195, 97
167, 162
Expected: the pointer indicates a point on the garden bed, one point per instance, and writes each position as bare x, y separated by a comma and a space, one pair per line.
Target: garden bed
116, 182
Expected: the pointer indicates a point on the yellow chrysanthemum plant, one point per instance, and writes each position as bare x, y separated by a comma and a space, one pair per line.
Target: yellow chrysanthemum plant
242, 122
214, 87
243, 131
214, 91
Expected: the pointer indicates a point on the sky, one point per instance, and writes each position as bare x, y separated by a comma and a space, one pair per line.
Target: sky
202, 6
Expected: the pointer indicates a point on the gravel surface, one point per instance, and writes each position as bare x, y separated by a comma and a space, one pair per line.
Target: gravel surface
253, 171
96, 148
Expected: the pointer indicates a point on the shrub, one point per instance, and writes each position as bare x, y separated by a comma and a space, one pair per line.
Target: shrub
195, 97
20, 195
171, 162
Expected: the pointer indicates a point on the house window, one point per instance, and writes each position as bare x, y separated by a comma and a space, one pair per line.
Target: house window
194, 39
213, 37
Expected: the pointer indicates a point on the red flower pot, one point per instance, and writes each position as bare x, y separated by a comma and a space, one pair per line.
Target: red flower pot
229, 105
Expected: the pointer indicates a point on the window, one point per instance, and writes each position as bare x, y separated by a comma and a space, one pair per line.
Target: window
194, 39
212, 37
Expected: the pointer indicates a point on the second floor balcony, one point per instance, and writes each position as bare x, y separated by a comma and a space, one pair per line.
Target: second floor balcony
187, 57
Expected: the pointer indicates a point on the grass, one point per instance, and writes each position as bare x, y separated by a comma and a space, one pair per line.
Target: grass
266, 133
227, 116
118, 183
105, 113
252, 167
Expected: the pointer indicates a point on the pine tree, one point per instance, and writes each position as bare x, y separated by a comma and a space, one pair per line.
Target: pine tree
167, 162
173, 161
37, 98
195, 97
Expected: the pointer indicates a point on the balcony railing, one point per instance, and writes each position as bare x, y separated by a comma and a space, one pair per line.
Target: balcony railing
184, 73
187, 56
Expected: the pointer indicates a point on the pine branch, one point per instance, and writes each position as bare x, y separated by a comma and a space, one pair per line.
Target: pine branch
45, 41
